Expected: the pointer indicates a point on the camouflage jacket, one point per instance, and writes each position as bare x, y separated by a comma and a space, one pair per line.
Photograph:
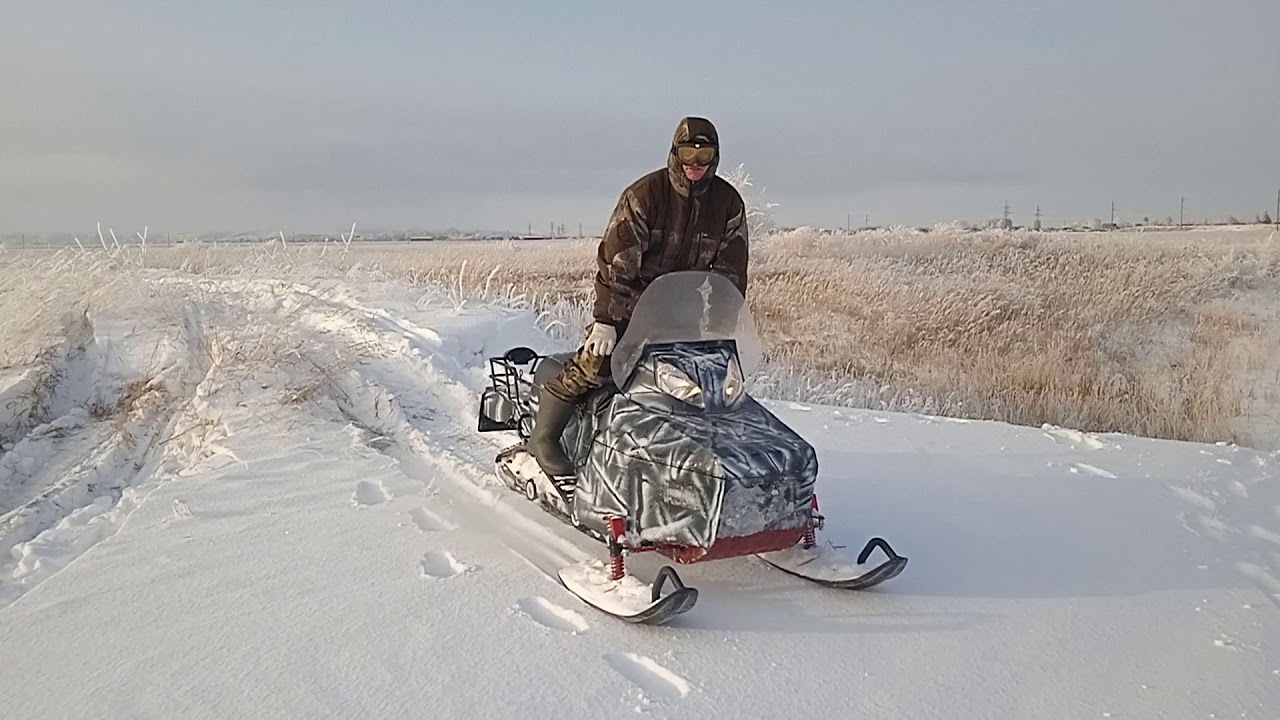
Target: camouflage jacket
663, 224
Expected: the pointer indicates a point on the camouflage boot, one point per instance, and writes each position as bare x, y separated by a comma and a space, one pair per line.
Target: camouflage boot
544, 443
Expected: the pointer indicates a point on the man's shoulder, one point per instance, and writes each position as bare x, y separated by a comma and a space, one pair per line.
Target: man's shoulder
648, 184
724, 187
724, 190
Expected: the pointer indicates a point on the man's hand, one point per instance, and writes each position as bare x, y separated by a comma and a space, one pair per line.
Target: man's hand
601, 340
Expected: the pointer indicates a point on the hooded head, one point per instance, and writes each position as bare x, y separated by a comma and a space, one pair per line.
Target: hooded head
697, 132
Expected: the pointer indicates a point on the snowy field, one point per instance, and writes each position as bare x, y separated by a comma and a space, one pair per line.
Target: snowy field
256, 490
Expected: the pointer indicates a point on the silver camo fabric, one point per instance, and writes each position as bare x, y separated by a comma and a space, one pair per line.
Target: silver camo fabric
686, 475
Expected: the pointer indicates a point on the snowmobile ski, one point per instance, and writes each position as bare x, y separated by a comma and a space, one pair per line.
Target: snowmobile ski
825, 566
629, 599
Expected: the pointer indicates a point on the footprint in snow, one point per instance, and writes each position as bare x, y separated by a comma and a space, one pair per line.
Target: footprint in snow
652, 678
441, 565
369, 493
546, 613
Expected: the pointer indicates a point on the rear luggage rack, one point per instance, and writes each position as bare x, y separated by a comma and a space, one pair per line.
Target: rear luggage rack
501, 402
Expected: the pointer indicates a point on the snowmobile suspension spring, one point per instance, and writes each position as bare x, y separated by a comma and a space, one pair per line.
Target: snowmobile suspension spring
810, 535
617, 563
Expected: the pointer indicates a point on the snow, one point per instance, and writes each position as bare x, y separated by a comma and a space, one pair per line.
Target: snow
823, 562
590, 579
221, 536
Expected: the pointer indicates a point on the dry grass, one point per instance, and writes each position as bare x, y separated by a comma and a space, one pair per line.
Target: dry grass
1149, 336
1161, 335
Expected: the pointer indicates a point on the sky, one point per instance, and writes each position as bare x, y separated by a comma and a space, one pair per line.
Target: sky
257, 115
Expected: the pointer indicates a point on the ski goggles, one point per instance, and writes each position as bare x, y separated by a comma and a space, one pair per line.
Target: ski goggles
696, 154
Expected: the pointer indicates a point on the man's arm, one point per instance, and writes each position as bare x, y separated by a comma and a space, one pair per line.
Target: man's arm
731, 257
618, 258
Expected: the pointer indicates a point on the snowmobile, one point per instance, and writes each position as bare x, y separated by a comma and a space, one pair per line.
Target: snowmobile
673, 456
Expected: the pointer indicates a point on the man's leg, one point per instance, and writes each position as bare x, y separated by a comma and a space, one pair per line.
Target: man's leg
582, 374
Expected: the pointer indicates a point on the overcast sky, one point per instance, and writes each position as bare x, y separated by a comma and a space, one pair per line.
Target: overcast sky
308, 116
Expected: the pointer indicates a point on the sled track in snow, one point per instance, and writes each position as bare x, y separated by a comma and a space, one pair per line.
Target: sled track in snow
392, 401
46, 408
404, 398
414, 403
82, 442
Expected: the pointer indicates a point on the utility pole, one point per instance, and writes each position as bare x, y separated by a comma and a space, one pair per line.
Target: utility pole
848, 222
1113, 213
1037, 225
1182, 208
867, 223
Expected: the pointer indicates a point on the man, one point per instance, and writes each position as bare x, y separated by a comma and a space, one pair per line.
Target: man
681, 217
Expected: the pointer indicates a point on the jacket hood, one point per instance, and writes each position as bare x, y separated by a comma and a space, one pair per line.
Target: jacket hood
691, 129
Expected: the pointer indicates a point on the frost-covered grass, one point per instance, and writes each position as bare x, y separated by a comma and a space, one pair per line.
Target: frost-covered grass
1165, 334
1149, 335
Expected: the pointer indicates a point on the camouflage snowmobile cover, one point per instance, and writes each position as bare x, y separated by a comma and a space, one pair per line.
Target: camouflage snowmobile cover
682, 452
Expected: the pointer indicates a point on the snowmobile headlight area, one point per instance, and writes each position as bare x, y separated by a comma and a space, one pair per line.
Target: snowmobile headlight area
672, 381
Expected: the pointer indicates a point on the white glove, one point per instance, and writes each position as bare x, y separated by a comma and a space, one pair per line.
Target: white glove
601, 340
